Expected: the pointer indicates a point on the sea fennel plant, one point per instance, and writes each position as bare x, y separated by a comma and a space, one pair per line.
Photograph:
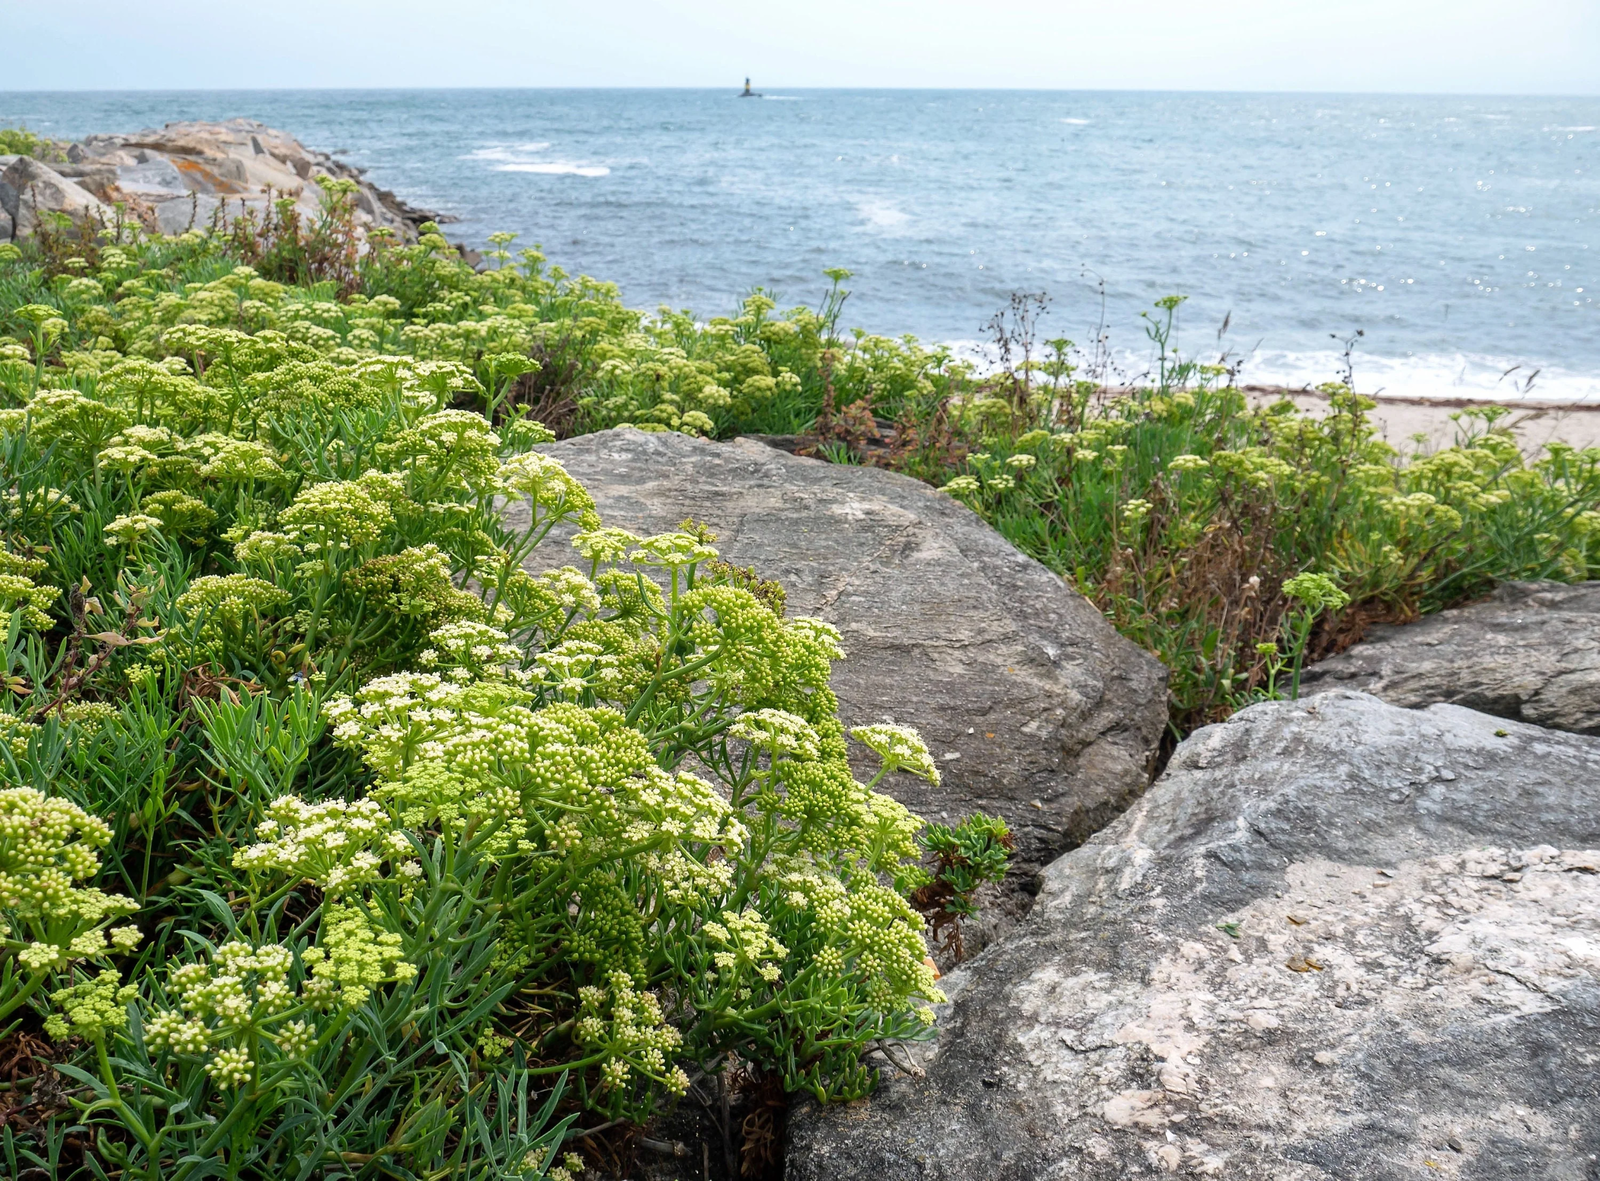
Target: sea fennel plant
416, 819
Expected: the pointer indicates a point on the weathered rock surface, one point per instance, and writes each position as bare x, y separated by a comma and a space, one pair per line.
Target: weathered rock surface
155, 179
1530, 651
29, 189
1337, 939
1034, 707
165, 175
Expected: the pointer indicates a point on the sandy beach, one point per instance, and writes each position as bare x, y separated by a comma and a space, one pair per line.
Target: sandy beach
1402, 420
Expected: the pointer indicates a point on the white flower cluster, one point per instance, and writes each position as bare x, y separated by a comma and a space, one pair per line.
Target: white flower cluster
569, 590
687, 811
605, 545
335, 516
471, 645
223, 602
241, 992
241, 461
131, 528
46, 846
548, 486
393, 719
747, 945
900, 747
453, 447
627, 1026
672, 550
575, 667
777, 732
818, 634
338, 846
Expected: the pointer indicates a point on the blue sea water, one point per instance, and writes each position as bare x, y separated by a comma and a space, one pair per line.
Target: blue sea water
1461, 235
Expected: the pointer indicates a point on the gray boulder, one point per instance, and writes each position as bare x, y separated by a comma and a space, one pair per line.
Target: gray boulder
1337, 939
29, 189
174, 215
1034, 707
1530, 651
154, 179
94, 176
5, 226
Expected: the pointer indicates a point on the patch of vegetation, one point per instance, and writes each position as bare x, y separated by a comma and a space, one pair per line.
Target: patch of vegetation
334, 838
19, 141
1236, 541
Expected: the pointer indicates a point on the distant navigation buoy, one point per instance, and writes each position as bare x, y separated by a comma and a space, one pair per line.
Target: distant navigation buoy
748, 93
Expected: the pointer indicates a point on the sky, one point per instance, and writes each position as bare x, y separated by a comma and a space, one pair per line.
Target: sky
1387, 46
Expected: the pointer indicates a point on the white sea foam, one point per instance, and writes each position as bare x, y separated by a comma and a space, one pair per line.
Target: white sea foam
1574, 128
504, 151
1077, 122
556, 168
1454, 375
882, 215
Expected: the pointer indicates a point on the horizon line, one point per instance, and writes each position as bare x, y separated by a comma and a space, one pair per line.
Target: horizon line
735, 89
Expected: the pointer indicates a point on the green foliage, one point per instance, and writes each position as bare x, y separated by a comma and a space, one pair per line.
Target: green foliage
968, 855
19, 141
401, 833
1235, 541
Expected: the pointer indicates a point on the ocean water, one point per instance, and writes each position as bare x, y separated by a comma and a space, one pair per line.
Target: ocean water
1461, 236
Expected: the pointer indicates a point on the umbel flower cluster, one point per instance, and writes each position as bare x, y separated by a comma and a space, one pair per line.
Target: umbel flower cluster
47, 848
345, 817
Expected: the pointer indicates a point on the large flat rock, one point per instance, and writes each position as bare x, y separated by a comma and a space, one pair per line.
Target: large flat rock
1034, 706
1337, 939
1530, 651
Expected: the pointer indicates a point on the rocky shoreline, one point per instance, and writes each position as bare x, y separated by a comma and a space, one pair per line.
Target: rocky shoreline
186, 175
1355, 935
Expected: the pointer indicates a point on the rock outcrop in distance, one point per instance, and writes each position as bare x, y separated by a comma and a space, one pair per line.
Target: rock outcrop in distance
183, 176
1032, 704
1530, 651
1337, 939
